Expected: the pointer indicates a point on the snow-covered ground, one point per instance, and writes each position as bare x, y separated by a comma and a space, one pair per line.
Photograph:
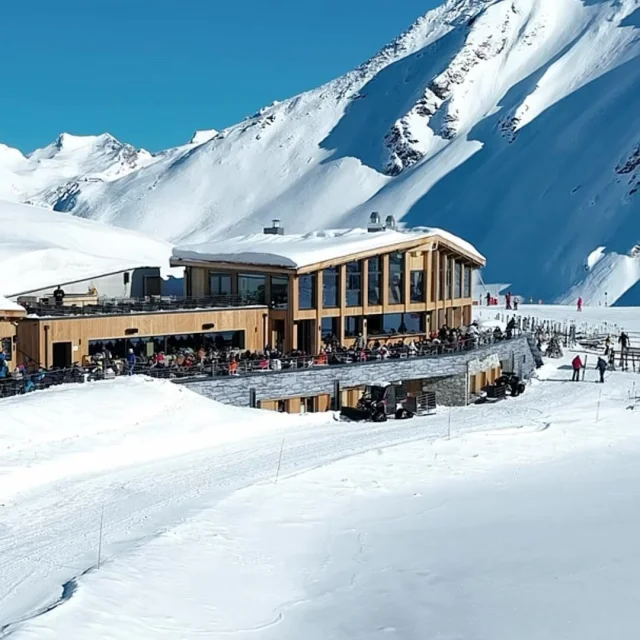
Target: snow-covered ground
521, 524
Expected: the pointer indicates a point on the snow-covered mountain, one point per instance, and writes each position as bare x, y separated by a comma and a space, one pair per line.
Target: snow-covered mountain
513, 123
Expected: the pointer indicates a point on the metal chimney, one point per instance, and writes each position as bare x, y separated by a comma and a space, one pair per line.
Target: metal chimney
275, 229
374, 223
390, 222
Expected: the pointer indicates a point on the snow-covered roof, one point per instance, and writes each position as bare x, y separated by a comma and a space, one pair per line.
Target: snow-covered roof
8, 305
303, 250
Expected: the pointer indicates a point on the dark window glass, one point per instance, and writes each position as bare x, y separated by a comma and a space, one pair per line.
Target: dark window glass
417, 286
395, 323
467, 282
396, 278
375, 281
307, 291
457, 286
447, 278
330, 329
280, 292
352, 326
354, 284
220, 284
330, 288
252, 286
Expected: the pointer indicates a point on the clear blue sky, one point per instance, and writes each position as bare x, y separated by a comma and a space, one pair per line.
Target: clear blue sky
152, 71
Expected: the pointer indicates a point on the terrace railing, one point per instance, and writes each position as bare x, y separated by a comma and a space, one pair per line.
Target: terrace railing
122, 306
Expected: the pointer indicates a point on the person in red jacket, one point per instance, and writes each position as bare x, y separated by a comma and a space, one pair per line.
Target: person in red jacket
580, 304
577, 366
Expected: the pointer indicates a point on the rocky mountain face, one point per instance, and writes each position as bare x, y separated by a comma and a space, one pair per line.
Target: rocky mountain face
513, 123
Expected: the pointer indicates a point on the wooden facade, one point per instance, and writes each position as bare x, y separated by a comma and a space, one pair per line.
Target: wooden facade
443, 269
8, 331
37, 337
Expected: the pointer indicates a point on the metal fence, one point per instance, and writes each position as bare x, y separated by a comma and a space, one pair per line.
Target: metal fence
121, 306
44, 379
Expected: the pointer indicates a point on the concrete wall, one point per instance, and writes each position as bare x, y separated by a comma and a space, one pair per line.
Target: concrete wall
316, 381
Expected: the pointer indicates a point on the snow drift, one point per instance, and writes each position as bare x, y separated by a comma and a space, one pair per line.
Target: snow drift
512, 123
40, 248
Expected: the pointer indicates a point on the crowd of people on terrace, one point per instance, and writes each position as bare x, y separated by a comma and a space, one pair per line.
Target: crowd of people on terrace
228, 360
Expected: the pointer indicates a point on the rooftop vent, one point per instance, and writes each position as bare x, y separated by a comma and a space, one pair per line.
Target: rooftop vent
374, 223
390, 222
275, 229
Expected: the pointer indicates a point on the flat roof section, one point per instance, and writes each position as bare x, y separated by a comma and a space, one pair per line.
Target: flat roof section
297, 251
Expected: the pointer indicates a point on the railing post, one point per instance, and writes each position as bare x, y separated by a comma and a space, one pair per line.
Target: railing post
253, 403
337, 396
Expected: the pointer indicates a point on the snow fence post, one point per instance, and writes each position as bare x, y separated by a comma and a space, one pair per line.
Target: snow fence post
279, 460
598, 406
100, 537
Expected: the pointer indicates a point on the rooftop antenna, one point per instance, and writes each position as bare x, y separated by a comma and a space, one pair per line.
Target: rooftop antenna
390, 222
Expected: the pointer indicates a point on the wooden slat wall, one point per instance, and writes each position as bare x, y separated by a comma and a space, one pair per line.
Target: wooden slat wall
80, 330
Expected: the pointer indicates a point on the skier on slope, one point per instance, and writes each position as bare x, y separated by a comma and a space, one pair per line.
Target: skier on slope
601, 366
576, 364
580, 303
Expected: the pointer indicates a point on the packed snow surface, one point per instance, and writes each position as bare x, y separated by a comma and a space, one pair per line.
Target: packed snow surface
40, 248
512, 123
9, 305
220, 522
302, 250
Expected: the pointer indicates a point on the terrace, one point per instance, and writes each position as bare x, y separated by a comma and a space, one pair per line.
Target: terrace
86, 306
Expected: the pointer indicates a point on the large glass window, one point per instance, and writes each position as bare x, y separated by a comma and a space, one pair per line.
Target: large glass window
252, 286
467, 282
396, 323
374, 295
442, 270
145, 347
331, 288
307, 291
447, 279
280, 292
396, 278
330, 329
457, 282
220, 283
354, 284
417, 286
352, 326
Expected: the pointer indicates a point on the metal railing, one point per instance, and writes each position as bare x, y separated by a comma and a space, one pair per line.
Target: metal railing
121, 306
43, 379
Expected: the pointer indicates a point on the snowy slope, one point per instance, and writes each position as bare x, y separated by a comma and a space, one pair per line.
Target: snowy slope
41, 248
451, 522
513, 123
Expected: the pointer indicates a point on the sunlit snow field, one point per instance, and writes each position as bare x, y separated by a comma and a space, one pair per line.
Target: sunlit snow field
521, 524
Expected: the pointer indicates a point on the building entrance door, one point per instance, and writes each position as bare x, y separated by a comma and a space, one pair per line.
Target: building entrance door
61, 355
306, 336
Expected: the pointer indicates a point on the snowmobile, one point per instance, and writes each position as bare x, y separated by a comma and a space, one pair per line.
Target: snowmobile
380, 402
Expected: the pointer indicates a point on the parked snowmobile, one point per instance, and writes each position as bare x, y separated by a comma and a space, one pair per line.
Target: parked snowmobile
379, 402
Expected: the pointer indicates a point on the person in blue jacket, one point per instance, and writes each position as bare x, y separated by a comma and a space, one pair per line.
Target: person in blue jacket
4, 369
131, 361
601, 366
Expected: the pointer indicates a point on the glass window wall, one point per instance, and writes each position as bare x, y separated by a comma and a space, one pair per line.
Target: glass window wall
354, 284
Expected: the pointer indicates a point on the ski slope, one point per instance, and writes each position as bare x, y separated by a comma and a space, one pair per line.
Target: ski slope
365, 531
512, 123
41, 248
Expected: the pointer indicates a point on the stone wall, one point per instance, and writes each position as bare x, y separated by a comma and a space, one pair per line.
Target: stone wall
449, 372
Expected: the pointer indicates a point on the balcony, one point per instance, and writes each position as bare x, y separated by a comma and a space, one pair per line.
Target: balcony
84, 306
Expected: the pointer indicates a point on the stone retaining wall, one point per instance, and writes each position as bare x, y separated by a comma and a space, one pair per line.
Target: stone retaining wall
449, 372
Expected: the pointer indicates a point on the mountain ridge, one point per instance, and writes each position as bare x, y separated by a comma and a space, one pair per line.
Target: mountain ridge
509, 122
